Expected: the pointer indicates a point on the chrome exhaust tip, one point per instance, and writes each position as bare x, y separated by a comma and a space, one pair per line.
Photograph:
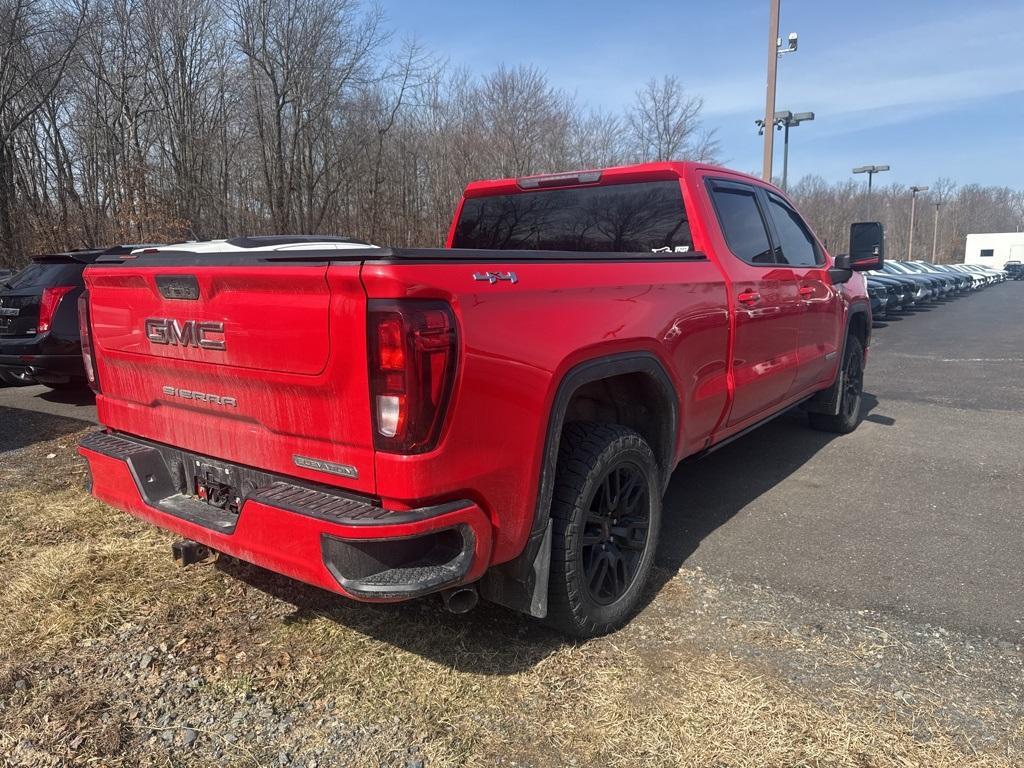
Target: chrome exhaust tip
459, 600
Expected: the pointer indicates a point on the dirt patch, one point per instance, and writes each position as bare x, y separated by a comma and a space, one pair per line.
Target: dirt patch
111, 655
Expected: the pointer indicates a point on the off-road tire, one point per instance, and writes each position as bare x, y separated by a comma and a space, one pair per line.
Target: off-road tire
588, 453
850, 402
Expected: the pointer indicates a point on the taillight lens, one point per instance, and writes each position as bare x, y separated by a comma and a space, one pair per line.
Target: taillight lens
85, 330
413, 352
48, 305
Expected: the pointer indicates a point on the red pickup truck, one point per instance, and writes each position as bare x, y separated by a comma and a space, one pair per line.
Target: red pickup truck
498, 418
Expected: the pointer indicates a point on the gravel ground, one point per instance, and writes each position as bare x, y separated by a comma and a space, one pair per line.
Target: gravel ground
113, 656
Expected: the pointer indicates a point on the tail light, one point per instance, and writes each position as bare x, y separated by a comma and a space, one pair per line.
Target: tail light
413, 350
48, 305
85, 330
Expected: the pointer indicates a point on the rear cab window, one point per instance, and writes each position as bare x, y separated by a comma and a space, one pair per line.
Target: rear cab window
625, 218
45, 272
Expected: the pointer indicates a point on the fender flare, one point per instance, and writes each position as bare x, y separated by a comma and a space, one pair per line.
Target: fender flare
827, 400
522, 583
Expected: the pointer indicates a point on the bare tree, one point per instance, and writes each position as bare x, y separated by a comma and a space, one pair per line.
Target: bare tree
187, 55
523, 121
597, 140
665, 124
302, 55
163, 119
37, 42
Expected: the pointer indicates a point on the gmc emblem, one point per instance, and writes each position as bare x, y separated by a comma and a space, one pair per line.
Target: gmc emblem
190, 333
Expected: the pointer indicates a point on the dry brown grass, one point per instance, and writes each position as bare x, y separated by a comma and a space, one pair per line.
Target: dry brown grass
486, 690
622, 701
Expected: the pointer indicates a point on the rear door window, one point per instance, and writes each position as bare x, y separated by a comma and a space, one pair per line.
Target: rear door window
630, 218
742, 224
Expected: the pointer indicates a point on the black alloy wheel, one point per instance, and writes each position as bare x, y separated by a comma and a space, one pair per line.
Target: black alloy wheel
853, 384
615, 533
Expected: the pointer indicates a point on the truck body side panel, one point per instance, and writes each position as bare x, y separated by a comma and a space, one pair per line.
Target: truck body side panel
519, 340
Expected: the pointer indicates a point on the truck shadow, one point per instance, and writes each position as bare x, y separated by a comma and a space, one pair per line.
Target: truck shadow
77, 396
20, 428
702, 496
706, 494
489, 640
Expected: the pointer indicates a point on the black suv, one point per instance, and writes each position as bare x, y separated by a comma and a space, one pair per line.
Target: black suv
39, 339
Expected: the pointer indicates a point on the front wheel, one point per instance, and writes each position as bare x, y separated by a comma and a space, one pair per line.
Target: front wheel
606, 512
851, 396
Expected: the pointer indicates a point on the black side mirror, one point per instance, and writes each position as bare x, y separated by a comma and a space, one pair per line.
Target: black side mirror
867, 246
840, 271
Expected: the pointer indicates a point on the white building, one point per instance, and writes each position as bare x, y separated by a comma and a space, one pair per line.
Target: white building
994, 249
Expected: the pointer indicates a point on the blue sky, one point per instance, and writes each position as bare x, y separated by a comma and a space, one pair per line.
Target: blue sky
930, 88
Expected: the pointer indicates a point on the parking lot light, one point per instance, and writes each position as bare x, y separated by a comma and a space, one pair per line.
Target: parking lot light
870, 170
913, 205
785, 120
775, 51
935, 230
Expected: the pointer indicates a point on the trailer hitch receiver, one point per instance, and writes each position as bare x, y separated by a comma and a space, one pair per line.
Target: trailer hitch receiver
188, 552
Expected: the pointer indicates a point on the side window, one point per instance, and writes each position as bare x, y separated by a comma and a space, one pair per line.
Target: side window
740, 219
988, 253
798, 246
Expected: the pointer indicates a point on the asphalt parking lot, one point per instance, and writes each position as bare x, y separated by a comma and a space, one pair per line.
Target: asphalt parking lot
917, 513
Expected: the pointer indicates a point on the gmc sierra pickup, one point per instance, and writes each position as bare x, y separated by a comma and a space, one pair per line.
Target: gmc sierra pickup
497, 418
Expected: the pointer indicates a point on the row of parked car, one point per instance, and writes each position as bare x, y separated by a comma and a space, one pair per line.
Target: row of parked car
39, 337
900, 285
40, 343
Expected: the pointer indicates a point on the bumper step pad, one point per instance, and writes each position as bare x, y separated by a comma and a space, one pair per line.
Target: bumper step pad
366, 563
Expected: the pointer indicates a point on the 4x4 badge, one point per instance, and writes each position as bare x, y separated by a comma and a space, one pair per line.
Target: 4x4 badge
493, 277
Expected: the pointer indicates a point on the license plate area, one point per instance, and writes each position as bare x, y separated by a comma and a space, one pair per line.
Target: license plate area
215, 486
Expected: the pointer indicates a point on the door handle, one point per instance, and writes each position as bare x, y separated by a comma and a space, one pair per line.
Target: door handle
806, 290
749, 297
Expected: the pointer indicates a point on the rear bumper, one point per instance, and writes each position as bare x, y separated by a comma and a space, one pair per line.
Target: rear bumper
316, 534
45, 368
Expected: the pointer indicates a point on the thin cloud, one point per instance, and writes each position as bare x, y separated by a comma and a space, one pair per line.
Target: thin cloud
959, 59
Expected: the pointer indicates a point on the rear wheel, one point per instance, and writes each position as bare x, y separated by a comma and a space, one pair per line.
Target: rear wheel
852, 394
606, 513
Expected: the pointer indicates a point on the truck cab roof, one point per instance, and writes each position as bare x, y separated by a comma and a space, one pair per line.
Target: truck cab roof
658, 171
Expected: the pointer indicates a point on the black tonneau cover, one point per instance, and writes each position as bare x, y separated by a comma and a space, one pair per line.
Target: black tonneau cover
170, 257
90, 255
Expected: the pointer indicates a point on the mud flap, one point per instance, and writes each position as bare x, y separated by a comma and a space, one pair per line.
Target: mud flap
827, 400
527, 593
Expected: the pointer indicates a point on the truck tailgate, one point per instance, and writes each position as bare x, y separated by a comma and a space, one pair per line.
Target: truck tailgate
259, 364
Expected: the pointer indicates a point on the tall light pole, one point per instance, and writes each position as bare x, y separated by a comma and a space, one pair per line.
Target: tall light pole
870, 170
775, 50
784, 121
913, 206
935, 231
